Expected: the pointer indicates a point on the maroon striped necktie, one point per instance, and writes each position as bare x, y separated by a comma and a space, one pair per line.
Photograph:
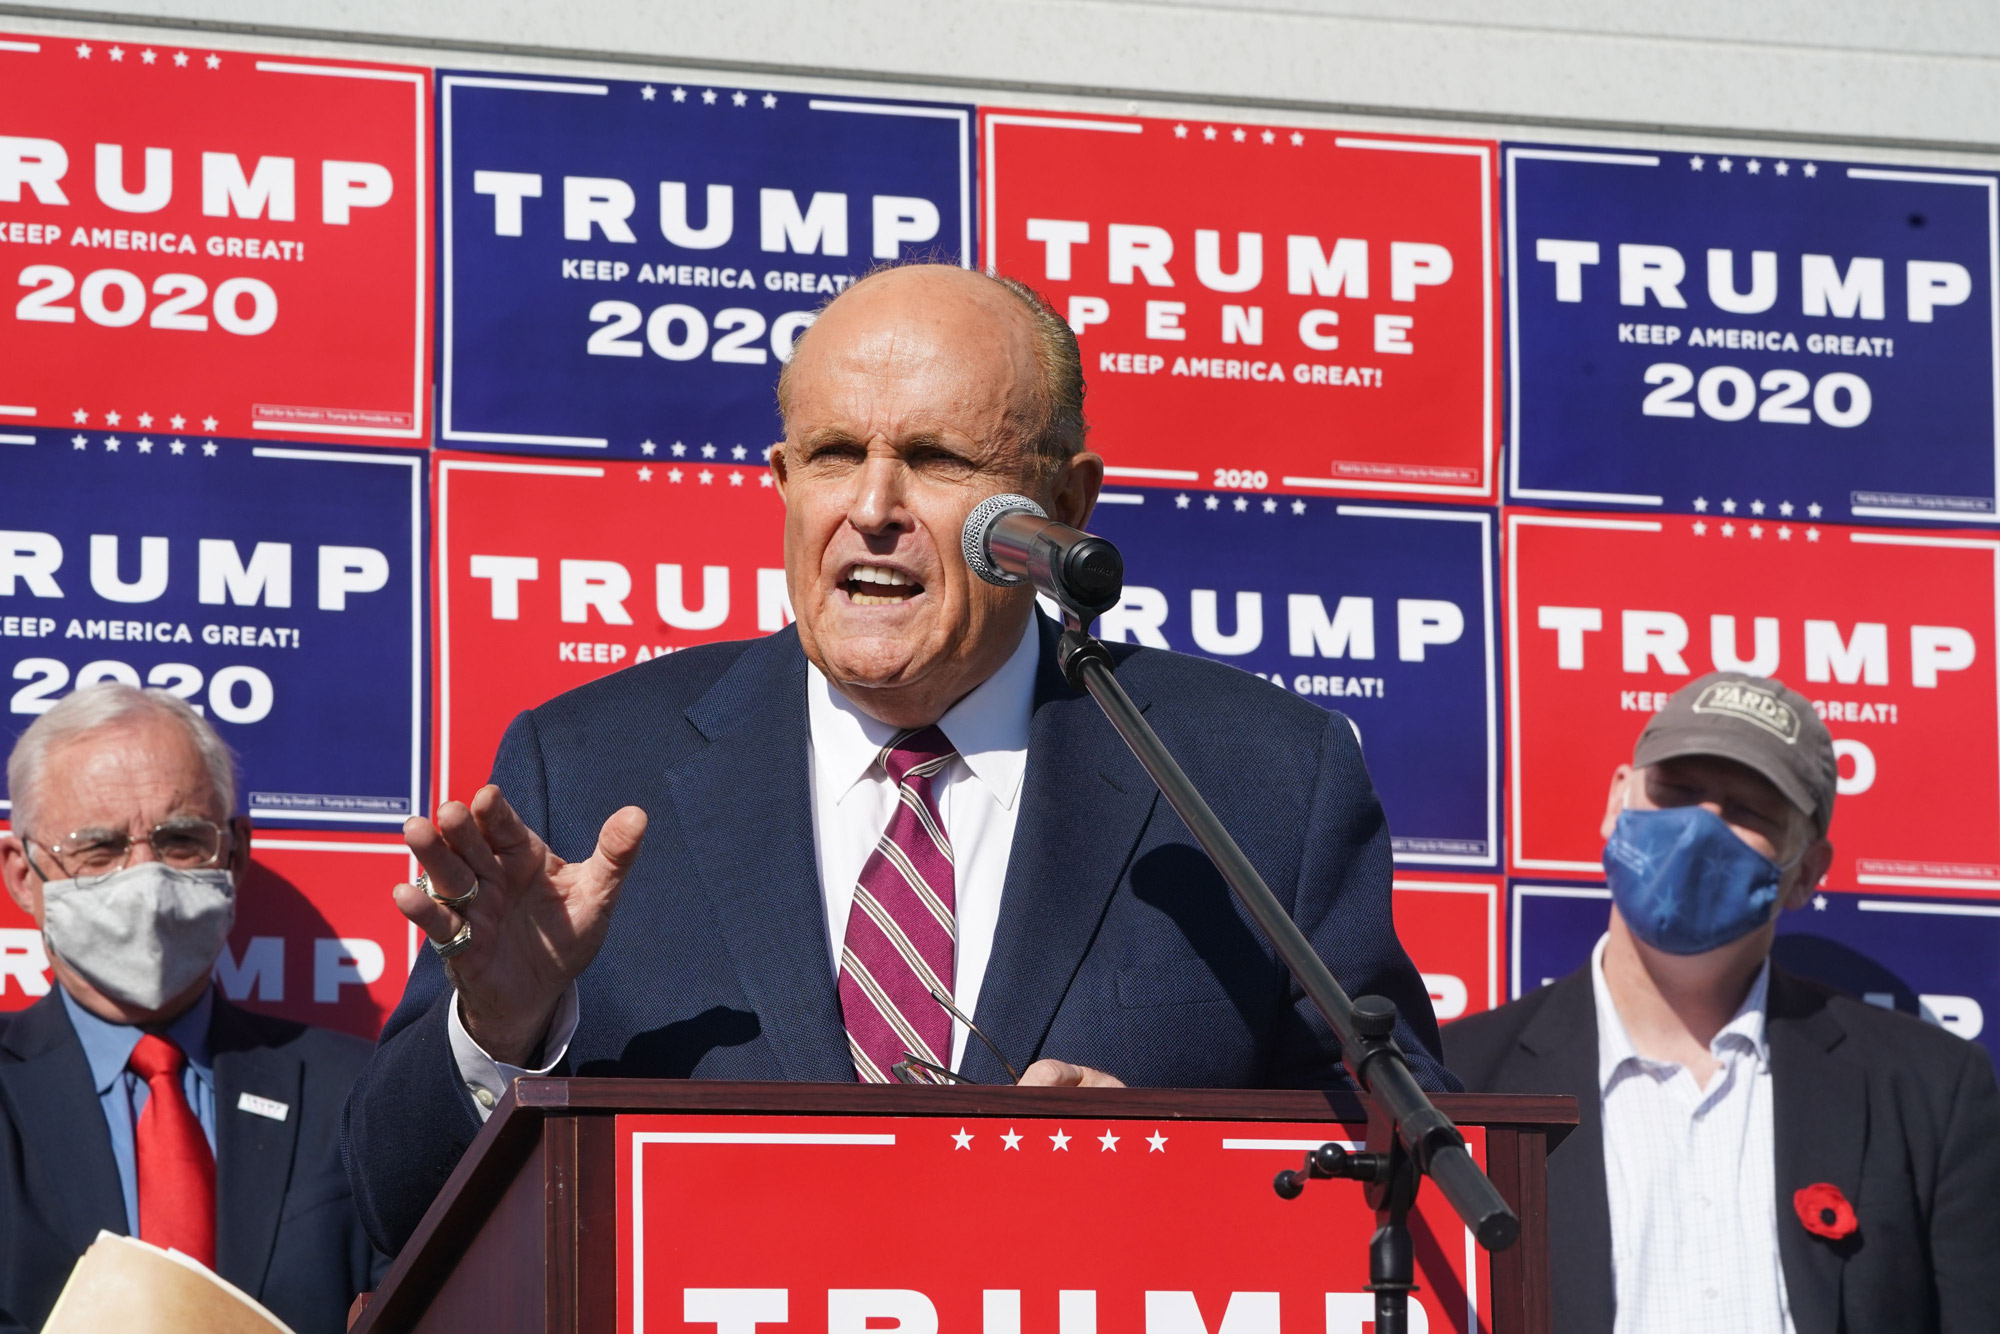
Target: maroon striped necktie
902, 928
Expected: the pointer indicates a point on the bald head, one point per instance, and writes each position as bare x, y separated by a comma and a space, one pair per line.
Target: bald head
981, 307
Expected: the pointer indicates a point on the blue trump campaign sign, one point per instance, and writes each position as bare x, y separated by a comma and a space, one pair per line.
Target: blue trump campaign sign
1382, 612
628, 264
1936, 958
278, 590
1701, 331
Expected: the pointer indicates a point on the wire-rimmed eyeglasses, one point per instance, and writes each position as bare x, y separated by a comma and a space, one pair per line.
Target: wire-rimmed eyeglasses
913, 1069
186, 843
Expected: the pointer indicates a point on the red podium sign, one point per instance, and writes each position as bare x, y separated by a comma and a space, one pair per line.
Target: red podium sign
874, 1224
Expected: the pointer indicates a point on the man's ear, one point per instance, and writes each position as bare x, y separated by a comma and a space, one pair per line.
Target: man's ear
780, 468
1614, 801
21, 881
239, 848
1074, 488
1813, 867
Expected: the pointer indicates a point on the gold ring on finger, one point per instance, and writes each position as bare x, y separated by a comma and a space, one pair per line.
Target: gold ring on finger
424, 883
457, 945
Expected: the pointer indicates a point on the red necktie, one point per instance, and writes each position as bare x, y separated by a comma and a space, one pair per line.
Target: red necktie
902, 930
176, 1167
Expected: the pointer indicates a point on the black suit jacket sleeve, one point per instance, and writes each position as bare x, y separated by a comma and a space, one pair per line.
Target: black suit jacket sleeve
1965, 1224
1344, 908
410, 1118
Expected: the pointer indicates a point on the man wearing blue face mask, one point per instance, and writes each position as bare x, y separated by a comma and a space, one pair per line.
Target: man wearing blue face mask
1755, 1152
133, 1097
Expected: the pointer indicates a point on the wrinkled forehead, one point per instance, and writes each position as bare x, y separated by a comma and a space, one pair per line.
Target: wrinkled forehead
127, 774
901, 358
1717, 777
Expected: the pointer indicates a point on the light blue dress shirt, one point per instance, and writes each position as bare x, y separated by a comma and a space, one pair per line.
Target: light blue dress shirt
122, 1094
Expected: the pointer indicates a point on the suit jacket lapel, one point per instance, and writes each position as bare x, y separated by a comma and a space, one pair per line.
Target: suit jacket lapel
1820, 1120
54, 1100
1084, 803
253, 1155
1560, 1055
744, 805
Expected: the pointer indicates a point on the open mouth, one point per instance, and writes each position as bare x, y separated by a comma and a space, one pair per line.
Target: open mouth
879, 586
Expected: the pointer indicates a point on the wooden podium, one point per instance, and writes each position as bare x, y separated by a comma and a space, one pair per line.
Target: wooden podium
588, 1205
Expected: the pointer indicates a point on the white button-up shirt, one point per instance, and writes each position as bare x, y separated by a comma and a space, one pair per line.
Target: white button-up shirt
1691, 1177
978, 793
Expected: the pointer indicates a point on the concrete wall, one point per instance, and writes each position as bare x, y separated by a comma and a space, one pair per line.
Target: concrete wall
1905, 73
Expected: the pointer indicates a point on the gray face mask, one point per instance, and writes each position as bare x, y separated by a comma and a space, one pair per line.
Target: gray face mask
141, 935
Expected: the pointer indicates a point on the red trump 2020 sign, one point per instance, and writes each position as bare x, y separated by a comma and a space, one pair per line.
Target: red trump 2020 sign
1262, 307
554, 574
218, 242
1889, 634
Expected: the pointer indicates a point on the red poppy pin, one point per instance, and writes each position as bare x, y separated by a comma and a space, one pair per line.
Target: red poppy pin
1825, 1211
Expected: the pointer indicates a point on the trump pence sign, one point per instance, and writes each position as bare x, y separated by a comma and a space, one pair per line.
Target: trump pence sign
1262, 306
1889, 634
630, 261
1691, 327
213, 241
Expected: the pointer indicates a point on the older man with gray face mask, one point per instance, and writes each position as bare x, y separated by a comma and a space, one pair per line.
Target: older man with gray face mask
133, 1098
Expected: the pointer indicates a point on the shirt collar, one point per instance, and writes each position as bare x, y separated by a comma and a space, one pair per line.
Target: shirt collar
108, 1046
989, 727
1614, 1043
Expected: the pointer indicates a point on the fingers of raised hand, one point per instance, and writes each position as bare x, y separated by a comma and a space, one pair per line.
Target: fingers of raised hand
518, 850
436, 921
451, 875
618, 843
461, 830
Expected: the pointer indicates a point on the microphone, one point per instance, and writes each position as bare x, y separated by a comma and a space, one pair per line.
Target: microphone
1010, 540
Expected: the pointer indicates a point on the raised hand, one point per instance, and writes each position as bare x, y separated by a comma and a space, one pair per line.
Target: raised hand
537, 920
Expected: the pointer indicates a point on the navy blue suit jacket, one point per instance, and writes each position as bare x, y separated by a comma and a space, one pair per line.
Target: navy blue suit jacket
1118, 946
285, 1229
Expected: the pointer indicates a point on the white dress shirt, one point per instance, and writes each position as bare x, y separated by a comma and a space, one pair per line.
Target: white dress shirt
1692, 1179
978, 793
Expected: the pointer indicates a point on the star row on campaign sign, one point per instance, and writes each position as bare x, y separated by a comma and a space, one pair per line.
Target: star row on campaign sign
1059, 1142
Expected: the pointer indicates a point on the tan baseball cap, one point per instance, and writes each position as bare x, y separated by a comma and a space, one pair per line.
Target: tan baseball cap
1757, 722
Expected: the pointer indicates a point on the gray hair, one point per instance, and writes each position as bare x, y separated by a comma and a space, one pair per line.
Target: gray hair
105, 705
1059, 429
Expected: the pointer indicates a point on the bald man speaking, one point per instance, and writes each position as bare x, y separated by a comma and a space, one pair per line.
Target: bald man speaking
778, 858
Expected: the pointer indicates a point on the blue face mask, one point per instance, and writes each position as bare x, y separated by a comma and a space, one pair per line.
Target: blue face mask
1684, 882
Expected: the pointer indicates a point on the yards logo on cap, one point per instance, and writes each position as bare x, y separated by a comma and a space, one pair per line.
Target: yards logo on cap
1745, 701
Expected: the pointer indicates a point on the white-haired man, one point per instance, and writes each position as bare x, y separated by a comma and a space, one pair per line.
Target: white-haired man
133, 1098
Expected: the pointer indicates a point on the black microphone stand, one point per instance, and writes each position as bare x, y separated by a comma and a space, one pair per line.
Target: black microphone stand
1408, 1137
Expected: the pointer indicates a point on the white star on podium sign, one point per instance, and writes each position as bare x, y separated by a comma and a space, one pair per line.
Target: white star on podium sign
1060, 1140
1819, 903
111, 444
679, 449
706, 476
647, 446
736, 479
208, 448
963, 1139
145, 446
1158, 1141
708, 96
680, 94
1241, 504
708, 451
207, 423
674, 474
110, 419
738, 452
1270, 506
80, 441
177, 421
649, 92
178, 446
180, 58
1211, 502
1181, 501
645, 474
148, 56
1011, 1140
1700, 528
81, 417
214, 62
1298, 507
1109, 1141
770, 101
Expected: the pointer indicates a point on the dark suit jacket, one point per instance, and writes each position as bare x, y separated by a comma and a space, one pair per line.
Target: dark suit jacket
286, 1231
1117, 944
1903, 1117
